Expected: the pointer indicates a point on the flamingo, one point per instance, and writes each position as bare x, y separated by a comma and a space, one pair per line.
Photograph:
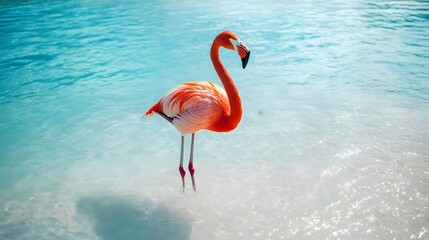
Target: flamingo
194, 106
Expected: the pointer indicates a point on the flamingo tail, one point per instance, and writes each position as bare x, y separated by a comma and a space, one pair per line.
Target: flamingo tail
154, 109
157, 109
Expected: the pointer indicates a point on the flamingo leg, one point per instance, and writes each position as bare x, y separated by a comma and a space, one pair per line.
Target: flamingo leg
191, 162
181, 170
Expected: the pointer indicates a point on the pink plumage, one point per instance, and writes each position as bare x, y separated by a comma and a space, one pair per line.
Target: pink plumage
193, 106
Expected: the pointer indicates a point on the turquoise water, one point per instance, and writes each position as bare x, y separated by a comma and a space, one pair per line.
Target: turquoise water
333, 142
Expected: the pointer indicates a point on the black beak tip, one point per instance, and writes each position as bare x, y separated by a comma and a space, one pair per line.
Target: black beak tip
245, 60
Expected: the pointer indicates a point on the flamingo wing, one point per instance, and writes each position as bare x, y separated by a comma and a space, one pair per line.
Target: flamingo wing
193, 106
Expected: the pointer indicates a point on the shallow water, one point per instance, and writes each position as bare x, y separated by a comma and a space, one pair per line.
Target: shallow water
333, 142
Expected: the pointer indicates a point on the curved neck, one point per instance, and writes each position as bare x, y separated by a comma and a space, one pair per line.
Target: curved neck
234, 117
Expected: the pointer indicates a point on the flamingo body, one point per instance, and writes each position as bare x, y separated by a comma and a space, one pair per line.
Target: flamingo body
194, 106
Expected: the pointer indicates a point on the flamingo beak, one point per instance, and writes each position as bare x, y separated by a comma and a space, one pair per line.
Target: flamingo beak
242, 50
245, 59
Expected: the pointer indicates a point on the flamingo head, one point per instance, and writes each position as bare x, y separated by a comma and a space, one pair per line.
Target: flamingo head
232, 42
